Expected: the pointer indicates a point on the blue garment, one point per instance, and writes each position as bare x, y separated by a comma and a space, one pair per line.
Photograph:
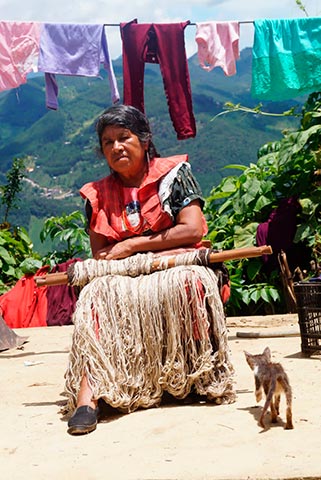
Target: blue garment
286, 58
73, 49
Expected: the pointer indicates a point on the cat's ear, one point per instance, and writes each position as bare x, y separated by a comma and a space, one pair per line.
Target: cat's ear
267, 353
249, 359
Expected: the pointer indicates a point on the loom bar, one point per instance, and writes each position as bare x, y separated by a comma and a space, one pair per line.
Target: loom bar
61, 278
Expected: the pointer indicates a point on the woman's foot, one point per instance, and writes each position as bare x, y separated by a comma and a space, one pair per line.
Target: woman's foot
84, 420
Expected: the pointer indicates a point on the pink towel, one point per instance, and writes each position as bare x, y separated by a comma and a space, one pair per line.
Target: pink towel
218, 45
19, 50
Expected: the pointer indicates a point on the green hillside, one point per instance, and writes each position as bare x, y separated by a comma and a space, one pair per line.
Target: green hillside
60, 145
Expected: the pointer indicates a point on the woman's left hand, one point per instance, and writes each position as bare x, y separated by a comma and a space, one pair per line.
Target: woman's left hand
116, 251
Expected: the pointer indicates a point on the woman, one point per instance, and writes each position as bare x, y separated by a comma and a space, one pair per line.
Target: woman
125, 141
146, 204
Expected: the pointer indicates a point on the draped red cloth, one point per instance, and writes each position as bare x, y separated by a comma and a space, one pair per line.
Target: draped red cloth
25, 305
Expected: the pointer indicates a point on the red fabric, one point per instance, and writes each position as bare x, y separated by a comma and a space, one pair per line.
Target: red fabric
196, 327
279, 230
104, 196
25, 305
61, 299
225, 292
163, 44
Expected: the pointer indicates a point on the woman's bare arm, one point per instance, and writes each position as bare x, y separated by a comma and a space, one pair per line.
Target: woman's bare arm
97, 242
187, 231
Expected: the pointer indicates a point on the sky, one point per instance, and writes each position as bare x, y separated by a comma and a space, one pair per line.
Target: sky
156, 11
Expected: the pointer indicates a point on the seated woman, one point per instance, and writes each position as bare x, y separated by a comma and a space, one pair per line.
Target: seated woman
146, 204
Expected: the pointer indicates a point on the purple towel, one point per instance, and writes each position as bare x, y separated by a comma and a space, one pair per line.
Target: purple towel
73, 49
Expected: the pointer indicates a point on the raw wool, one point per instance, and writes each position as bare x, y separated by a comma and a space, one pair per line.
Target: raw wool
136, 337
86, 271
138, 264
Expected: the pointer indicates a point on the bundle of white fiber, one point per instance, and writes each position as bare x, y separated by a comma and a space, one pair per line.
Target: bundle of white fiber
137, 337
81, 273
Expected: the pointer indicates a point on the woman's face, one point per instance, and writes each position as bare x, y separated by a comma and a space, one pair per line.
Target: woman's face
124, 152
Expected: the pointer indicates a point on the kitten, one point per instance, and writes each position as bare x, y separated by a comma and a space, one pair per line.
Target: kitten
271, 378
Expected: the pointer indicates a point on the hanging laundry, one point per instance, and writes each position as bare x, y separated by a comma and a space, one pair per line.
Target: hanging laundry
163, 44
286, 58
73, 49
218, 45
19, 50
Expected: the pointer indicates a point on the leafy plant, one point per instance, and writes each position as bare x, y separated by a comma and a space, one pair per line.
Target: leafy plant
301, 7
16, 257
68, 233
257, 110
234, 209
13, 187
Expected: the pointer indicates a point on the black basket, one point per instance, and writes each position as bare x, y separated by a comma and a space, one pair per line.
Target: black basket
308, 297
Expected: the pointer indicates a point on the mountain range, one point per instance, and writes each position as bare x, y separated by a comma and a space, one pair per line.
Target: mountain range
59, 146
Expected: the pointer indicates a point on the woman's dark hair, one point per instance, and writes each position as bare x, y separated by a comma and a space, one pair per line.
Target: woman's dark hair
128, 117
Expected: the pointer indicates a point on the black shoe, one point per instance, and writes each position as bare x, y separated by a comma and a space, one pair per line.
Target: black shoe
84, 420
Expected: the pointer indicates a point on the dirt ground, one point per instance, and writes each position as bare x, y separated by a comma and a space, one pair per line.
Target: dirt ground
176, 441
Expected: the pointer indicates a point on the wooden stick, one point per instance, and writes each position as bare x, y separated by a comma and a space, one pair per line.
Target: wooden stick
268, 334
61, 278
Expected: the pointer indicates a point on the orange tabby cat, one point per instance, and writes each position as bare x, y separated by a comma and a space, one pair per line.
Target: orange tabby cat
271, 378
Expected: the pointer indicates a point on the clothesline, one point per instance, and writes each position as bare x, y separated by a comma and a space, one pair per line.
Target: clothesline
190, 24
279, 68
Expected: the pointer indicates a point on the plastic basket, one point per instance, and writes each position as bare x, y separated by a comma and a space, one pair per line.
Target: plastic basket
308, 297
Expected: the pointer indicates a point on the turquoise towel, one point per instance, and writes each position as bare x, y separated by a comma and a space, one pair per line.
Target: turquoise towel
286, 58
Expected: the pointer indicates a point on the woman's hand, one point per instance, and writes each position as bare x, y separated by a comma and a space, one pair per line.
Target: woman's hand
186, 233
116, 251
